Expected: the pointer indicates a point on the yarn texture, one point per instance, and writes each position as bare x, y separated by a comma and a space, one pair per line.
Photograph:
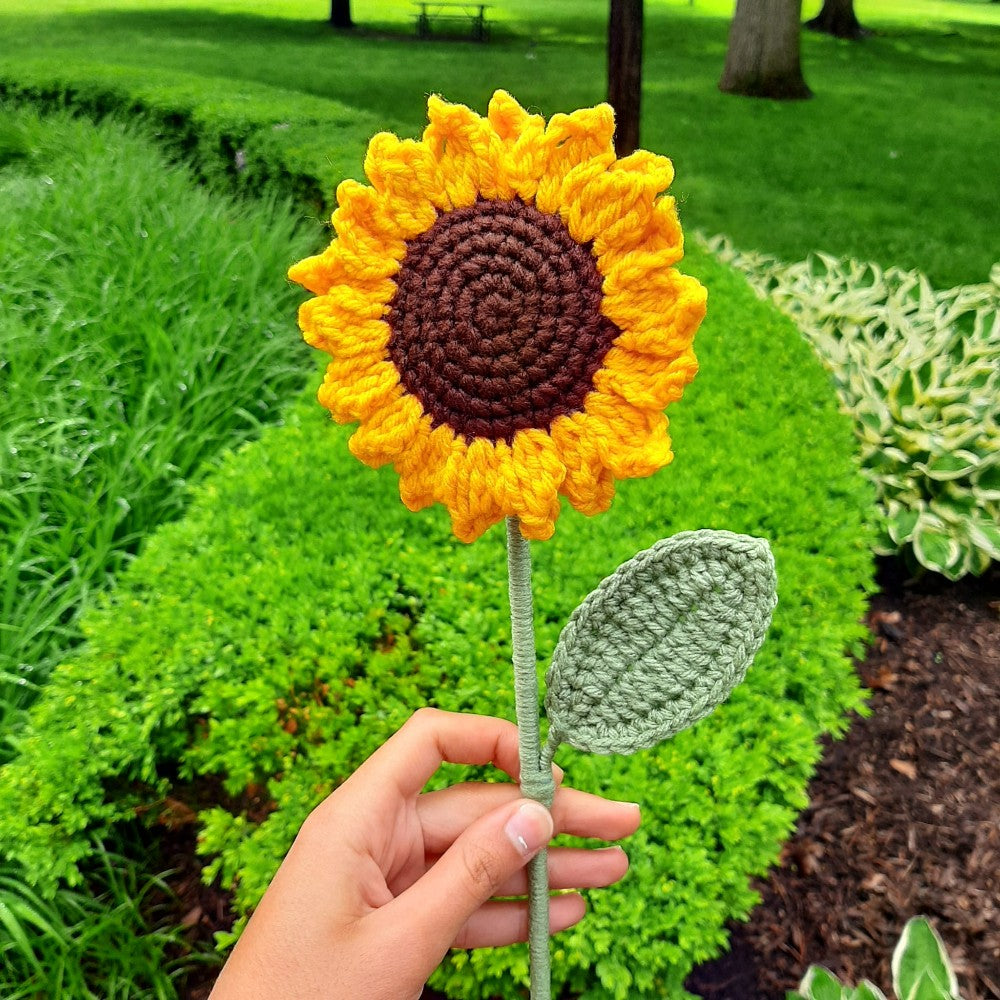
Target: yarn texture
504, 315
660, 643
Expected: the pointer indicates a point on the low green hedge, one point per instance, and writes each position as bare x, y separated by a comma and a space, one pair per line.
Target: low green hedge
254, 136
259, 649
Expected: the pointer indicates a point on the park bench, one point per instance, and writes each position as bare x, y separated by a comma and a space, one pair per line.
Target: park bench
443, 12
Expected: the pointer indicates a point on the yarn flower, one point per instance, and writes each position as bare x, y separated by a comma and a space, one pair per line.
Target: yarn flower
505, 320
507, 326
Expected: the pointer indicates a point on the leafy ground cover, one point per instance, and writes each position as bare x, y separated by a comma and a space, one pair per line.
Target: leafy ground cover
142, 332
863, 170
919, 371
900, 817
298, 598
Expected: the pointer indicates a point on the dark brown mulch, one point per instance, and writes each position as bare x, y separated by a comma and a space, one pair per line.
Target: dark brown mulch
904, 816
905, 811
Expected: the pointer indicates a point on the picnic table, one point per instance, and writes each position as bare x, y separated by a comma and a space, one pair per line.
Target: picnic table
437, 11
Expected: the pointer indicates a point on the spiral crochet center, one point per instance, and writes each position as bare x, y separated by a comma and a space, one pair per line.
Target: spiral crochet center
496, 322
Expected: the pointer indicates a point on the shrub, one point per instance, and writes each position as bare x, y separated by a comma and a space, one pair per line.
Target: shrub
255, 137
265, 645
919, 371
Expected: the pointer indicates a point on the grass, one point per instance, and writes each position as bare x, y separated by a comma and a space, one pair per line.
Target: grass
142, 330
87, 945
144, 326
890, 162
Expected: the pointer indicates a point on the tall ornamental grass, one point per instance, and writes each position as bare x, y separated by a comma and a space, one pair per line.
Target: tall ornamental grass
144, 326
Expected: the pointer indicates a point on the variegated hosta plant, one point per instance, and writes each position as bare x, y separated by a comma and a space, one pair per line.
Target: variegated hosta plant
919, 370
921, 970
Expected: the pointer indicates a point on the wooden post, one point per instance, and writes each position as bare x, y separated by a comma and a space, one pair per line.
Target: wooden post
625, 71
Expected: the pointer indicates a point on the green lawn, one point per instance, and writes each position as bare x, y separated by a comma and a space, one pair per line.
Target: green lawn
892, 161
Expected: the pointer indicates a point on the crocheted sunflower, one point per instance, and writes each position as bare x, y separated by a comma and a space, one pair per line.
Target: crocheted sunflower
505, 320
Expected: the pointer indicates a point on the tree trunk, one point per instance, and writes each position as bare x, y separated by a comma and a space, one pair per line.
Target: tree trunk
763, 55
340, 14
837, 18
625, 72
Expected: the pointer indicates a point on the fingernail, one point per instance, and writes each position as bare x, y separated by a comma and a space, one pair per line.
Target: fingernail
530, 828
558, 773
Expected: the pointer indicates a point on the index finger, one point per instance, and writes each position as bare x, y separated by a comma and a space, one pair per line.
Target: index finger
429, 738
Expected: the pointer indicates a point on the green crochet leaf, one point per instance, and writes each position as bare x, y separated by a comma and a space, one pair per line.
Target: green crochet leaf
661, 642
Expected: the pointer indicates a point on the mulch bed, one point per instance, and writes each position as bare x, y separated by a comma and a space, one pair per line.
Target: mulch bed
905, 811
904, 816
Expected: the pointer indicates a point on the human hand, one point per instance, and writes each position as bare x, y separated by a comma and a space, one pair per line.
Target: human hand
382, 879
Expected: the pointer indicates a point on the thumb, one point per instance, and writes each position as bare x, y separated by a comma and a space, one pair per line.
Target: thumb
470, 872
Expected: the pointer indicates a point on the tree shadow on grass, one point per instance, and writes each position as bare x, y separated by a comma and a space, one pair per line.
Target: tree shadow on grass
196, 25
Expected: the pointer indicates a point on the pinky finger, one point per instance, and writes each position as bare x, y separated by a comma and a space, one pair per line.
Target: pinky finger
502, 922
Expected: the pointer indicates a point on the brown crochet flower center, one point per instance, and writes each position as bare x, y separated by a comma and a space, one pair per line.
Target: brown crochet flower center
496, 321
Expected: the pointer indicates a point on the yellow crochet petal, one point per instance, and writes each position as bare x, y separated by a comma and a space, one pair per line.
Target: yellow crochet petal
532, 483
588, 486
452, 477
368, 301
421, 466
387, 431
570, 140
631, 442
658, 310
661, 243
366, 230
312, 273
654, 170
338, 332
467, 480
590, 200
405, 173
643, 379
361, 206
522, 159
468, 152
340, 265
508, 119
614, 208
354, 388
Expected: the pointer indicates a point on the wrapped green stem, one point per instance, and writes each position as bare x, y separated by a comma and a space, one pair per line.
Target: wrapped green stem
536, 775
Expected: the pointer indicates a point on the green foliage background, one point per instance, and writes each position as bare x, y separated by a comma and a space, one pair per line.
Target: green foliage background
919, 372
127, 297
299, 614
257, 650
